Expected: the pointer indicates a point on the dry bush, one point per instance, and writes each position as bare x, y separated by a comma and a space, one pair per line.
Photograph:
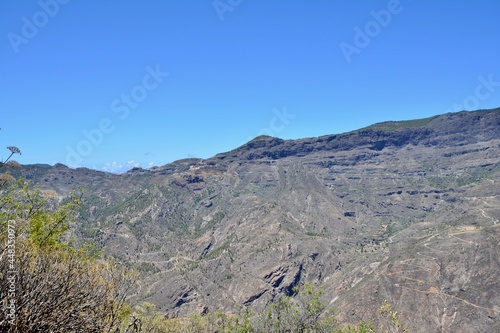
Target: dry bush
51, 286
61, 291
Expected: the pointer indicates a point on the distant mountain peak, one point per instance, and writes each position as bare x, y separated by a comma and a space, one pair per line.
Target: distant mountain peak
264, 137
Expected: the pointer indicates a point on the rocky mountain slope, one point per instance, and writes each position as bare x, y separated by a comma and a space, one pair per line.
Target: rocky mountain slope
403, 211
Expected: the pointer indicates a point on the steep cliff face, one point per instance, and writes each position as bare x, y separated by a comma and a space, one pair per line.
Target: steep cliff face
403, 211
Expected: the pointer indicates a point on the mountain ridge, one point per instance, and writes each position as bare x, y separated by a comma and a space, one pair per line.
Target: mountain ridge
371, 135
384, 126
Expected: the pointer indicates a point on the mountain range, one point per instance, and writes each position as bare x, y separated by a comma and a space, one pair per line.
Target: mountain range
406, 211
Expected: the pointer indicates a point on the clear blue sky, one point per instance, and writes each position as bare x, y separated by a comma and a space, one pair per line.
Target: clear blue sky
154, 81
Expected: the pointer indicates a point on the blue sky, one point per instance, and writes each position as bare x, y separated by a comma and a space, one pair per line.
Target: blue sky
115, 84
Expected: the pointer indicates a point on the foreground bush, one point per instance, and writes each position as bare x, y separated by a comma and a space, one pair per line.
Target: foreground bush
61, 291
47, 285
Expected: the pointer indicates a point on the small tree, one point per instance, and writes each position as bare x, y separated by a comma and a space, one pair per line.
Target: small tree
394, 323
304, 313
